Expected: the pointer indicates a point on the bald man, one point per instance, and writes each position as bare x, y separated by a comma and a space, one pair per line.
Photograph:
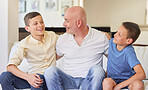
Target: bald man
82, 49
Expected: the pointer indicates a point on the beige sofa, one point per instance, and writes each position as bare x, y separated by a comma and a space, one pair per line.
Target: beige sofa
141, 51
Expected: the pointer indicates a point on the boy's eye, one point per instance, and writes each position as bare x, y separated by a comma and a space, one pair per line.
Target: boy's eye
42, 22
35, 23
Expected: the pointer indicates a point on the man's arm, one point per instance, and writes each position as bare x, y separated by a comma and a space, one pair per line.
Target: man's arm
32, 79
138, 76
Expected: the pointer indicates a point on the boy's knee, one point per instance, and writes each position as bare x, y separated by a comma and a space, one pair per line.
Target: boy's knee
138, 84
108, 81
4, 77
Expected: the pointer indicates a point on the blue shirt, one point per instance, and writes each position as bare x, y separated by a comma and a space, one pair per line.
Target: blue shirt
120, 63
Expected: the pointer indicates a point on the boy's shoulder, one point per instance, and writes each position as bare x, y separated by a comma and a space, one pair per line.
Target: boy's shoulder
50, 33
24, 41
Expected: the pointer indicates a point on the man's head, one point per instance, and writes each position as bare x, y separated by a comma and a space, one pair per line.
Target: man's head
75, 19
34, 24
127, 34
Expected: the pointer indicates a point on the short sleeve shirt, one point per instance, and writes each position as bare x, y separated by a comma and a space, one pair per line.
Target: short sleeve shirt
120, 63
79, 59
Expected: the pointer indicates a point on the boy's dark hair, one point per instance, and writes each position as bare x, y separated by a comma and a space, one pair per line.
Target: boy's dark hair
133, 30
30, 16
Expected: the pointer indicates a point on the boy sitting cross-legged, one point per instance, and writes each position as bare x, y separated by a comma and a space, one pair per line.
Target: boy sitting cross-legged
123, 68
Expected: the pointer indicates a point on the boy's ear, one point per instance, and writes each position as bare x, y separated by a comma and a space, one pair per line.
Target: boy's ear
27, 28
129, 41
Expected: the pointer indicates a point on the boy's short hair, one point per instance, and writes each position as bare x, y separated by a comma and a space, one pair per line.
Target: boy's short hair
30, 15
133, 30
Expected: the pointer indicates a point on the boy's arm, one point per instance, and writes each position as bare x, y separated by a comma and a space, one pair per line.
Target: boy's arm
33, 79
138, 76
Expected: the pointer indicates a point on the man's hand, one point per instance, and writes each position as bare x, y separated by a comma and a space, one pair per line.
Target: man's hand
107, 35
34, 80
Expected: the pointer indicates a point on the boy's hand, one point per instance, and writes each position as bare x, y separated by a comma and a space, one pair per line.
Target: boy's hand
34, 80
117, 87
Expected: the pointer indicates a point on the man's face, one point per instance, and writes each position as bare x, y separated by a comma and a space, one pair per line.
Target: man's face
69, 23
36, 26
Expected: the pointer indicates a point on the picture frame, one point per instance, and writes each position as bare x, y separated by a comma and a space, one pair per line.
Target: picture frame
51, 5
22, 6
35, 5
65, 4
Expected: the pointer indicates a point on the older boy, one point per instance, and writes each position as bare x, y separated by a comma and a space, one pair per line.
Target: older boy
39, 49
123, 68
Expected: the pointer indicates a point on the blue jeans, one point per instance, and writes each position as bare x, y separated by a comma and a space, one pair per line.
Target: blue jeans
9, 81
56, 79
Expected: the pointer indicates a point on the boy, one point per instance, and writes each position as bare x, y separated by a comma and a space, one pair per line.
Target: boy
123, 68
39, 49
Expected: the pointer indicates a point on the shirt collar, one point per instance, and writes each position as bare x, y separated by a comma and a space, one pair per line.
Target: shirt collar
89, 33
36, 41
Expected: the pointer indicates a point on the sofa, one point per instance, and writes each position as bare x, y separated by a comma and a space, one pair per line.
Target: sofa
141, 51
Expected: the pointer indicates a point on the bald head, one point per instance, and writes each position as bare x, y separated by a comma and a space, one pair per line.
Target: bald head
77, 13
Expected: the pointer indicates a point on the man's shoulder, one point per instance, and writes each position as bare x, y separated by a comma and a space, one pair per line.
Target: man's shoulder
64, 35
97, 32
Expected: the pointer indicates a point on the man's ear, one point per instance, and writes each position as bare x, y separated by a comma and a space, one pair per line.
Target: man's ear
129, 40
79, 23
27, 28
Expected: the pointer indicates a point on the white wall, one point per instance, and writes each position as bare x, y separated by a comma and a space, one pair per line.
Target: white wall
127, 10
51, 18
9, 29
97, 12
113, 12
4, 34
13, 32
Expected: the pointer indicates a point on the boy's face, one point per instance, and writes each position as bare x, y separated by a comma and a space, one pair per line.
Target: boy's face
120, 38
36, 26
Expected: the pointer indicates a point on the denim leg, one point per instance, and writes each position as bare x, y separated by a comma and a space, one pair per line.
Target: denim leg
9, 81
56, 79
94, 78
43, 85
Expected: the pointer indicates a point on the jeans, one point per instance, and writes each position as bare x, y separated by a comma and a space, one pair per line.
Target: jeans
9, 81
56, 79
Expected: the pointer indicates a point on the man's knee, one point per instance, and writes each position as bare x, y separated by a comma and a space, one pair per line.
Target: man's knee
98, 70
50, 71
4, 77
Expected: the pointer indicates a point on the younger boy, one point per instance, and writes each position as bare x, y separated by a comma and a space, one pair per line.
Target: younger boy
39, 49
123, 68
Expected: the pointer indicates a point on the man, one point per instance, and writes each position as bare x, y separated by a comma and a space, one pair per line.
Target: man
82, 49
